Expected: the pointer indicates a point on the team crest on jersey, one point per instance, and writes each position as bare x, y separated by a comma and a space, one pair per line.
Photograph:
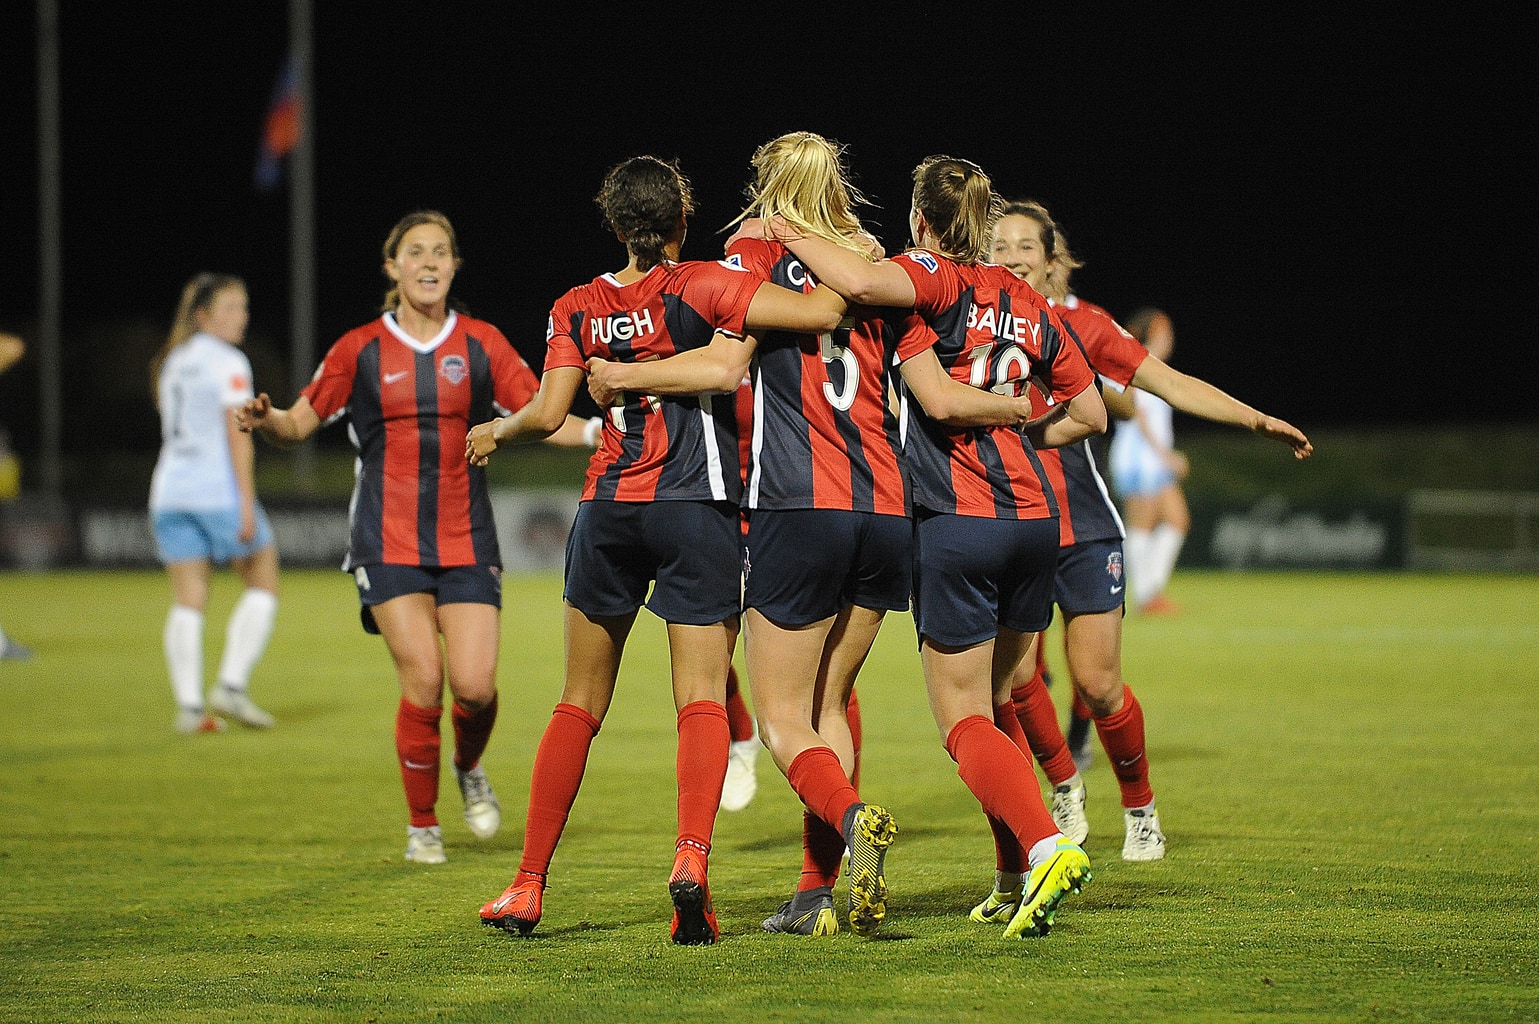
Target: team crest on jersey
1114, 566
734, 261
454, 369
924, 259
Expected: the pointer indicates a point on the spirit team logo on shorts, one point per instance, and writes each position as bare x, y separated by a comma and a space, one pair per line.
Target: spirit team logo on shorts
1114, 567
453, 369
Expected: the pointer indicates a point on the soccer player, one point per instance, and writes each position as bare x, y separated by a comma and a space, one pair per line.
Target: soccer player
12, 349
423, 548
660, 508
986, 536
203, 505
828, 546
1148, 469
1090, 583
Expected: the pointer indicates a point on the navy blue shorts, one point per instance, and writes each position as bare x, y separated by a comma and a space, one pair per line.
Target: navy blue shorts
454, 584
1090, 577
806, 564
974, 575
689, 552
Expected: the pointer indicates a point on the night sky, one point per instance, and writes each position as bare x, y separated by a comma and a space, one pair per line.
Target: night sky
1330, 209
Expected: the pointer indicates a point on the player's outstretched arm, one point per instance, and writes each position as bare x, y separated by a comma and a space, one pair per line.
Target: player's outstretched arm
545, 414
283, 427
1197, 397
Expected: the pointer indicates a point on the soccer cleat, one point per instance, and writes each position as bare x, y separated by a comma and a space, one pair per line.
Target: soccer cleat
237, 704
482, 811
517, 910
1065, 871
694, 918
1161, 605
818, 919
1069, 811
871, 833
425, 845
742, 780
1080, 747
1144, 840
999, 908
196, 720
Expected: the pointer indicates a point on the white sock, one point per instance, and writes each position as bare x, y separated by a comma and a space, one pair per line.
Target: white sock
1164, 548
1042, 849
246, 636
1136, 556
184, 655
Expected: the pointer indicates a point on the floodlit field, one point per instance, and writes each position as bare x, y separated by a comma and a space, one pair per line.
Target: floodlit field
1346, 769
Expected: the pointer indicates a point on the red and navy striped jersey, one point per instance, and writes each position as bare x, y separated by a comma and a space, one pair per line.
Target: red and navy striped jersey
657, 449
416, 501
993, 331
1086, 510
823, 434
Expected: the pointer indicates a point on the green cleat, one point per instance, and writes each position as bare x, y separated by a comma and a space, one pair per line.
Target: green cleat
871, 832
1066, 871
999, 908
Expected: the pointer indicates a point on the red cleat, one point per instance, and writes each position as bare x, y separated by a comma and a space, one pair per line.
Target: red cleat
517, 910
694, 918
1159, 605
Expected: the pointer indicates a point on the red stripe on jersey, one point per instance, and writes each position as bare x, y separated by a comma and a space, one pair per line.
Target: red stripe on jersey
830, 465
401, 456
639, 483
454, 541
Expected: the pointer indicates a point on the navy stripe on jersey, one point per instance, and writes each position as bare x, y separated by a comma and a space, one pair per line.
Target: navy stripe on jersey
368, 420
425, 379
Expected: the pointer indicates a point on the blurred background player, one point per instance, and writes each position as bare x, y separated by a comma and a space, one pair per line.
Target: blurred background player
986, 539
660, 509
1090, 584
423, 547
203, 505
12, 349
1148, 470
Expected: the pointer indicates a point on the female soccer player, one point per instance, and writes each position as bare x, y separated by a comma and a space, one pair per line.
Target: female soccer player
829, 538
423, 550
660, 507
986, 536
203, 505
1089, 587
1148, 470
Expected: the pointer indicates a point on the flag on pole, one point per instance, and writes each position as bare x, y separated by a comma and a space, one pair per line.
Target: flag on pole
280, 130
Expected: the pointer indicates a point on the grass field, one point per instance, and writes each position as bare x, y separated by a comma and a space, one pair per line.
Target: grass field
1346, 769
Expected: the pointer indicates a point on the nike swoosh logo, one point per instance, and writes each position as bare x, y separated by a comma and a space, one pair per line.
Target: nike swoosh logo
418, 767
391, 378
1116, 590
504, 901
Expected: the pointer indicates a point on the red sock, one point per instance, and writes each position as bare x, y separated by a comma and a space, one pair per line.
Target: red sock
1038, 720
1008, 855
816, 777
1122, 735
472, 730
822, 849
417, 745
852, 713
702, 764
1000, 776
559, 763
739, 721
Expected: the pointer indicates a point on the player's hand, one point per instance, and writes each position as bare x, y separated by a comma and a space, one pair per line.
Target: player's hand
248, 528
748, 227
1281, 430
481, 442
253, 412
600, 377
1178, 463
